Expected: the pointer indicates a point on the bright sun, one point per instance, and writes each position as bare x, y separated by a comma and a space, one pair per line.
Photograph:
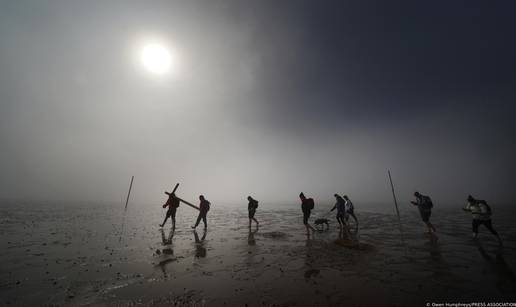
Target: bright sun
156, 58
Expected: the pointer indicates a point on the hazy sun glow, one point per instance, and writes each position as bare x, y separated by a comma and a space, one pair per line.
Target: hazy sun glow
156, 58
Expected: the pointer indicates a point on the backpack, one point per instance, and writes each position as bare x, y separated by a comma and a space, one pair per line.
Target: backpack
311, 203
427, 202
488, 212
207, 205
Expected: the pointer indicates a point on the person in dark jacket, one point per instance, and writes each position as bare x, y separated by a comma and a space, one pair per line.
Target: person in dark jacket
251, 207
340, 205
350, 210
172, 204
204, 207
424, 204
481, 213
307, 204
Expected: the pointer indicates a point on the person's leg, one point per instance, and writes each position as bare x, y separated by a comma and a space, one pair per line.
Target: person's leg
474, 226
425, 217
251, 217
173, 218
198, 220
345, 229
306, 216
430, 227
165, 220
489, 225
204, 220
353, 216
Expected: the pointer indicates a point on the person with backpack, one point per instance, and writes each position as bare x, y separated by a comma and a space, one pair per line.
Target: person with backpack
350, 210
204, 207
307, 205
252, 206
425, 205
481, 213
340, 205
172, 204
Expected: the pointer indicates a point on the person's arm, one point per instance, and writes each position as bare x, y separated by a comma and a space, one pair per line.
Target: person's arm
168, 200
414, 203
334, 207
467, 207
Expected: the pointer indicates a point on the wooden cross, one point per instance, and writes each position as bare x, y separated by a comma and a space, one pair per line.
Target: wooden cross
182, 200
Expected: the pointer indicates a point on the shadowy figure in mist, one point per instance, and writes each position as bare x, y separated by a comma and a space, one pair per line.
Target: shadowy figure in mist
204, 207
251, 207
307, 205
172, 204
200, 250
502, 270
350, 211
340, 205
481, 213
425, 205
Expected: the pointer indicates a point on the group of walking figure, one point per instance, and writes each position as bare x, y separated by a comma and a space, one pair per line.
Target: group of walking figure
480, 210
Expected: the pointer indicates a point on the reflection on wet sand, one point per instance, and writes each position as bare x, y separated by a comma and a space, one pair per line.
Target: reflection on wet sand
434, 249
250, 238
505, 278
87, 265
167, 240
200, 250
166, 253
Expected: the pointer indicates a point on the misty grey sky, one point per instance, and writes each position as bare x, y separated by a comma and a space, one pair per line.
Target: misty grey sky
269, 99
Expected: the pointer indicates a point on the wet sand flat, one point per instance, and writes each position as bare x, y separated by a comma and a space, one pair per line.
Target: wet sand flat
75, 254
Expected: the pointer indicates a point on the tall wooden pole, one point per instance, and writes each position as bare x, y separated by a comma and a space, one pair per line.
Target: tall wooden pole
129, 193
396, 205
125, 209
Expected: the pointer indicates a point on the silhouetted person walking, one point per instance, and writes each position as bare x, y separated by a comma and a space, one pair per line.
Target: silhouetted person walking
340, 205
252, 206
481, 213
204, 207
307, 204
172, 204
425, 205
350, 210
